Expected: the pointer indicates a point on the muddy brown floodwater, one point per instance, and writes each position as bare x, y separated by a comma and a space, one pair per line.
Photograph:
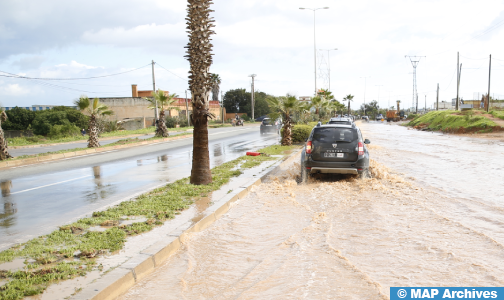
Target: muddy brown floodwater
341, 237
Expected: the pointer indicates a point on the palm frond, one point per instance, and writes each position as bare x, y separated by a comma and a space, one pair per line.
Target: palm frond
82, 103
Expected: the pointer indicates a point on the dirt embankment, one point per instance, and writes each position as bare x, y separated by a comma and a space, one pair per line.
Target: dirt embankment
471, 123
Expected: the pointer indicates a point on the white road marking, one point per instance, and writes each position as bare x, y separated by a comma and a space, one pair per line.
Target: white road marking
39, 187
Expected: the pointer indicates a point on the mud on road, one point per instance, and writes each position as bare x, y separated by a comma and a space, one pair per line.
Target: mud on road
333, 238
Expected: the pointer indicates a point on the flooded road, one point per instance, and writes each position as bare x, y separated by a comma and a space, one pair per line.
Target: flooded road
36, 200
415, 223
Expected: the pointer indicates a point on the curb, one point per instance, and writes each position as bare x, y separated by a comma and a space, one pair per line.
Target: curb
46, 158
122, 278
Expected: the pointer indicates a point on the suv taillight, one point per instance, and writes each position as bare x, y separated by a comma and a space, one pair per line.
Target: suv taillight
308, 147
361, 148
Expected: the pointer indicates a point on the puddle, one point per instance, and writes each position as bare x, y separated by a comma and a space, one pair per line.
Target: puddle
201, 205
15, 265
63, 289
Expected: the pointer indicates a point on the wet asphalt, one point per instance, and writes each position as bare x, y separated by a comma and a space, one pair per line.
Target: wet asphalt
37, 199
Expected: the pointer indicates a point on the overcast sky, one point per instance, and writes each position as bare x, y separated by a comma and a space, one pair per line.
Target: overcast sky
273, 39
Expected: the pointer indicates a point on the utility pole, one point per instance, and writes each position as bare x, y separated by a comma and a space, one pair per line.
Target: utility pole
489, 71
379, 87
414, 62
365, 93
425, 107
156, 117
222, 109
459, 71
252, 94
437, 98
187, 109
416, 103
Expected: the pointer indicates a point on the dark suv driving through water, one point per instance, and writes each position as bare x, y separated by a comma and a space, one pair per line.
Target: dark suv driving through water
335, 149
270, 126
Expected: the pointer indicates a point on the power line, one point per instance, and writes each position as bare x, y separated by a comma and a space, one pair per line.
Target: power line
83, 78
171, 72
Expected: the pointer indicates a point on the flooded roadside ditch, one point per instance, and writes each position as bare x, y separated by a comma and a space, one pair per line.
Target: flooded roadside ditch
347, 238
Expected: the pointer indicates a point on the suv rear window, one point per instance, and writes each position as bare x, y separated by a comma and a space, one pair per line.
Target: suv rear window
266, 121
340, 122
329, 135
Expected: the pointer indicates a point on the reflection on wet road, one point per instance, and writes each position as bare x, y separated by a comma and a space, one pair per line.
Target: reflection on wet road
34, 205
347, 238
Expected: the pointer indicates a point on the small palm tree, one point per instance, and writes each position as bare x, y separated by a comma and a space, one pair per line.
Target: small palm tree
304, 111
94, 109
348, 98
4, 153
319, 103
326, 94
216, 81
165, 101
285, 107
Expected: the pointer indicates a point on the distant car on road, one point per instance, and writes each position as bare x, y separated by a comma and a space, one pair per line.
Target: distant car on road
335, 149
379, 117
339, 120
365, 118
270, 126
260, 118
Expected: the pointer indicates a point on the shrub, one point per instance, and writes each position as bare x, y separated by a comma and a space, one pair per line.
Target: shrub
246, 118
66, 130
18, 119
171, 122
44, 120
299, 133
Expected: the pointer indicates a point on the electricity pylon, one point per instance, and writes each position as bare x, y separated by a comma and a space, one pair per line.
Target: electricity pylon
414, 62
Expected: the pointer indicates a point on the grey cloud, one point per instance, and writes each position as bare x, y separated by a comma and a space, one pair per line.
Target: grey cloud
29, 63
33, 26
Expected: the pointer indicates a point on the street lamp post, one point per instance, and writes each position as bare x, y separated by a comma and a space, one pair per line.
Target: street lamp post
379, 87
366, 77
329, 63
314, 43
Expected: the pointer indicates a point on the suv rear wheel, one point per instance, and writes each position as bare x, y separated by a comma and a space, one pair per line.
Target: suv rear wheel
365, 173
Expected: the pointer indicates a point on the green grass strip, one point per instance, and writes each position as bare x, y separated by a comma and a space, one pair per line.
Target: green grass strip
41, 140
450, 120
46, 257
126, 141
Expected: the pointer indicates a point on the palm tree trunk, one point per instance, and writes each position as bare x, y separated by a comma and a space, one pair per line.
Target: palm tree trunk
4, 153
287, 133
93, 133
161, 130
200, 172
199, 25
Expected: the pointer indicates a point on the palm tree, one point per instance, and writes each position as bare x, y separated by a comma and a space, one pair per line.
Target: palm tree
94, 109
216, 81
199, 55
285, 107
326, 94
319, 103
304, 111
334, 106
4, 153
348, 98
165, 101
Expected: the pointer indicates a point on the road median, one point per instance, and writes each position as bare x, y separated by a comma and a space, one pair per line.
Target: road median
46, 157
